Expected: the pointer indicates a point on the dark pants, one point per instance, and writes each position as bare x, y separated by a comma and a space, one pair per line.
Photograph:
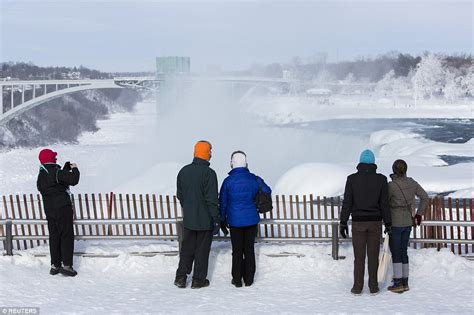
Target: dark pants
195, 247
399, 244
366, 241
243, 253
61, 235
399, 239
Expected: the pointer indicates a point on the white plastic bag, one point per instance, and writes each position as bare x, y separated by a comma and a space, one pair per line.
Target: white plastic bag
385, 260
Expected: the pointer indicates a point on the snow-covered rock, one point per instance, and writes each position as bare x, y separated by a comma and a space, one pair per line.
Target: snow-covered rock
320, 179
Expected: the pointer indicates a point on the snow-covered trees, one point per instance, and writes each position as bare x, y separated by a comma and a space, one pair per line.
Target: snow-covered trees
433, 77
468, 82
391, 86
429, 77
348, 84
453, 88
385, 86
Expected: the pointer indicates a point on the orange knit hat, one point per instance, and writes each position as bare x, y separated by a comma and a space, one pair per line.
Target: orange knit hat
202, 150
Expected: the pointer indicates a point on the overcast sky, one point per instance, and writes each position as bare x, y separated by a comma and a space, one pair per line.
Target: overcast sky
127, 35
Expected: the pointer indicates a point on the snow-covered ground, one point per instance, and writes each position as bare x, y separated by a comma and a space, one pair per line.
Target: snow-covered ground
314, 283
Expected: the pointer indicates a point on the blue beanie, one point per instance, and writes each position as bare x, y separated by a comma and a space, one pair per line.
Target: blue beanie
367, 157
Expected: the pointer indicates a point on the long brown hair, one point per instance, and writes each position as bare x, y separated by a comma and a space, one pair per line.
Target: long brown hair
400, 167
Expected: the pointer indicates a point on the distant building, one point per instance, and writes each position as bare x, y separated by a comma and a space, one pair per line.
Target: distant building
71, 75
287, 74
173, 65
321, 95
318, 92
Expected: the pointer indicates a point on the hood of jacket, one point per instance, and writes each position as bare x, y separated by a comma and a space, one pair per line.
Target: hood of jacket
239, 170
366, 168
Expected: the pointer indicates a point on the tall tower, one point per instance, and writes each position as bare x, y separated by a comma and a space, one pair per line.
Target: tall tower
173, 66
174, 71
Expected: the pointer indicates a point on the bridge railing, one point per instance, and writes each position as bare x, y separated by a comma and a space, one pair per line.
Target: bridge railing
15, 93
447, 223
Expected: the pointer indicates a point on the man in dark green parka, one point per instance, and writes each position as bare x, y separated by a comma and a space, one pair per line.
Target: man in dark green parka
197, 193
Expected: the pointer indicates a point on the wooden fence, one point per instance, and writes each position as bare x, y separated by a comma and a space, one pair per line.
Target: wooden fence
151, 206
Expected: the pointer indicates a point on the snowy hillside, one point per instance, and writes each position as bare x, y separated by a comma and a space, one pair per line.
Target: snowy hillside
64, 119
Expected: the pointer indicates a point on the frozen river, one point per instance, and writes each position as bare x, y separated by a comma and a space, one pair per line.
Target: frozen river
142, 151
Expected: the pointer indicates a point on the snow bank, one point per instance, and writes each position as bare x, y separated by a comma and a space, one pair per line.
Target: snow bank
320, 179
422, 156
382, 137
424, 162
312, 283
425, 152
441, 179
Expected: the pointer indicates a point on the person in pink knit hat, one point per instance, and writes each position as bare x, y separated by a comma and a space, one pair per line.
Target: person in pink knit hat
53, 183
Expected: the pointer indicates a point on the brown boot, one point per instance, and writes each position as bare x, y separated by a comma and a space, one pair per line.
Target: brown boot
405, 284
397, 286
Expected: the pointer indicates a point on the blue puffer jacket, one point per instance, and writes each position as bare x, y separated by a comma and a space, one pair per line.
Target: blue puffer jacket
237, 196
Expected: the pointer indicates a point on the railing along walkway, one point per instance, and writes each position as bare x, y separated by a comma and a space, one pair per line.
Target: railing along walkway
447, 222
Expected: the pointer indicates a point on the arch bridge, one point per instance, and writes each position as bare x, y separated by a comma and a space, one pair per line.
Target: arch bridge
20, 96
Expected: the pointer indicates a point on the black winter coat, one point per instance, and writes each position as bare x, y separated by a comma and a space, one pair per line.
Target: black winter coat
366, 196
53, 183
197, 192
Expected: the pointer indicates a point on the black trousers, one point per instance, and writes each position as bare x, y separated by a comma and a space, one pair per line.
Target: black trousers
243, 253
195, 247
366, 242
61, 235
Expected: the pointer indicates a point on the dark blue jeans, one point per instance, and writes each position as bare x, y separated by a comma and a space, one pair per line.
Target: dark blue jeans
399, 244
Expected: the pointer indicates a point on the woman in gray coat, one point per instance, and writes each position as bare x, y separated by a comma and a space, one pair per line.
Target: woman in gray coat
401, 193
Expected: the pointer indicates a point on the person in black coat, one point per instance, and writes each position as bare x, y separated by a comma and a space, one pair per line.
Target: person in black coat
366, 200
197, 193
53, 184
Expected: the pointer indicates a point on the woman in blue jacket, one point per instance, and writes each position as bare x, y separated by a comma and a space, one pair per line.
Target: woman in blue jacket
238, 211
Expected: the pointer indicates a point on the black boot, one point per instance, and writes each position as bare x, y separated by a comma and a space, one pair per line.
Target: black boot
356, 292
68, 271
180, 282
397, 286
54, 270
198, 283
374, 291
405, 284
237, 284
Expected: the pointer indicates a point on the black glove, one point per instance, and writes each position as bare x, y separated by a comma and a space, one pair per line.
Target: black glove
217, 226
388, 229
224, 228
418, 219
67, 166
344, 230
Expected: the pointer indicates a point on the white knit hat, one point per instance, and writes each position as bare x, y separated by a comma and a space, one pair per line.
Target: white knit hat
238, 159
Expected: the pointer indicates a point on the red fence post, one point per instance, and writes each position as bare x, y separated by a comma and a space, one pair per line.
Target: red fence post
111, 202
